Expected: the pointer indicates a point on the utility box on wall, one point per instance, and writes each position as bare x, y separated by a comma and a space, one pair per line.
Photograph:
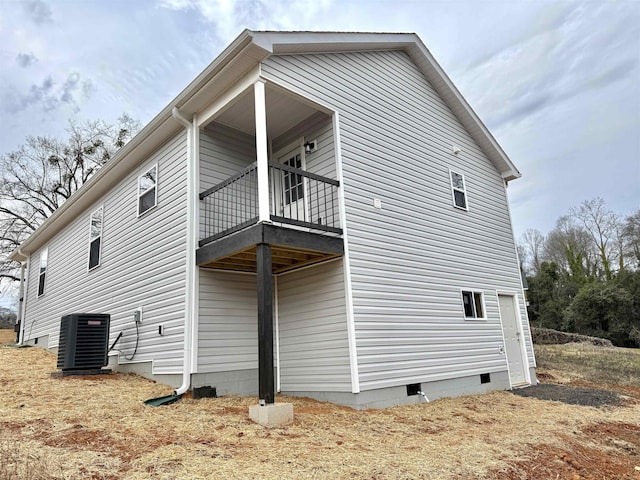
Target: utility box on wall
84, 341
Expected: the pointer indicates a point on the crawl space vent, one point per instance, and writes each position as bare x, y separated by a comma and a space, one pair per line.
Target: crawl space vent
413, 389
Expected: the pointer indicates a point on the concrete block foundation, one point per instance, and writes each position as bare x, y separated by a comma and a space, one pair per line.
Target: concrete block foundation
272, 415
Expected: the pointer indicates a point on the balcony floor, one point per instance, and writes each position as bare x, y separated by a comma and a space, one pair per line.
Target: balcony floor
290, 249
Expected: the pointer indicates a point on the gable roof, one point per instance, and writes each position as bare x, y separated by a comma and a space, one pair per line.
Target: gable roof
243, 54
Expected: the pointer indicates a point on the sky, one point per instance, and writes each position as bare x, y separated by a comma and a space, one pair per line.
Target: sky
556, 82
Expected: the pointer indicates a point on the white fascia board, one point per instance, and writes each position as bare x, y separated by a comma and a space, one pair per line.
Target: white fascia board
282, 43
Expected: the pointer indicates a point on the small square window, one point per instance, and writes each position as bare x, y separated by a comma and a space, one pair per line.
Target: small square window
148, 190
95, 238
458, 190
43, 271
473, 304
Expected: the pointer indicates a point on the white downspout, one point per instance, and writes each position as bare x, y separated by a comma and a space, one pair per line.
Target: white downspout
189, 315
24, 284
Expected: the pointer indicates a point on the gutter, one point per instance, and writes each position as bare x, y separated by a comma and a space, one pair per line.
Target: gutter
190, 311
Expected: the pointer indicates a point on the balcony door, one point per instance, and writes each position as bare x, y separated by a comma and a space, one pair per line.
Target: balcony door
290, 189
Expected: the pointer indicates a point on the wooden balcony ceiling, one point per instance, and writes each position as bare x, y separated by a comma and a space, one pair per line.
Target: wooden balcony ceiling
283, 259
290, 249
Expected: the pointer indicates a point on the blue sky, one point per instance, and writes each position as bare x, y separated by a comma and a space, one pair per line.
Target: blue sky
557, 82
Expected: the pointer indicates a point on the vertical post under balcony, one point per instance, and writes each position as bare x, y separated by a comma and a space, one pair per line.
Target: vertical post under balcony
264, 280
262, 157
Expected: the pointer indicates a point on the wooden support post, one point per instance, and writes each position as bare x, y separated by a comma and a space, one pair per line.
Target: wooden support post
264, 280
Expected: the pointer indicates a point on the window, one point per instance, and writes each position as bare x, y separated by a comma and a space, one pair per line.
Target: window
458, 190
95, 238
147, 190
293, 182
43, 271
473, 304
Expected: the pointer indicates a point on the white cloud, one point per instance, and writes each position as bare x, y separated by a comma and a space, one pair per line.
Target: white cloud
230, 17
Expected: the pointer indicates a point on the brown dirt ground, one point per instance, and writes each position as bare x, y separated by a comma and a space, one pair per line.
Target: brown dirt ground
97, 427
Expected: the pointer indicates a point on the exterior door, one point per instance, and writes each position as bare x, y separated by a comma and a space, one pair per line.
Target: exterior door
291, 190
514, 344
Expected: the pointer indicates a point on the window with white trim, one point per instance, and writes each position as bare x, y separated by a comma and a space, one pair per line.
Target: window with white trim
148, 190
43, 271
473, 304
95, 238
458, 190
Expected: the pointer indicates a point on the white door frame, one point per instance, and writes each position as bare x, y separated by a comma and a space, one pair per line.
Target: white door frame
298, 144
523, 347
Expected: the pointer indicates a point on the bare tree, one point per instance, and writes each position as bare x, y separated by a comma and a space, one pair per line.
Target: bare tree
631, 239
44, 172
523, 258
600, 223
532, 242
569, 246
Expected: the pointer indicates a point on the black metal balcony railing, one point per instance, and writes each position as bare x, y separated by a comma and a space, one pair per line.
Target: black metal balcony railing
296, 197
230, 206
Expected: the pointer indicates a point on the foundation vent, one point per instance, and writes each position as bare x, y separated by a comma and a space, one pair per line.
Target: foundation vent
413, 389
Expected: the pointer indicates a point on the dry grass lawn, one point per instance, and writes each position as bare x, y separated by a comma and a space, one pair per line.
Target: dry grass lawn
98, 427
584, 361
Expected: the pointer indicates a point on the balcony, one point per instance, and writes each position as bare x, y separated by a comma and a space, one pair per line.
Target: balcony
304, 225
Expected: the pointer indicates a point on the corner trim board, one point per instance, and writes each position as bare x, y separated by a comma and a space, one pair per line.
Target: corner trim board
351, 326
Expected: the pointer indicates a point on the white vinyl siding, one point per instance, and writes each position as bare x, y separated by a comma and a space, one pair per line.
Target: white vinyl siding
409, 258
228, 322
144, 266
312, 326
